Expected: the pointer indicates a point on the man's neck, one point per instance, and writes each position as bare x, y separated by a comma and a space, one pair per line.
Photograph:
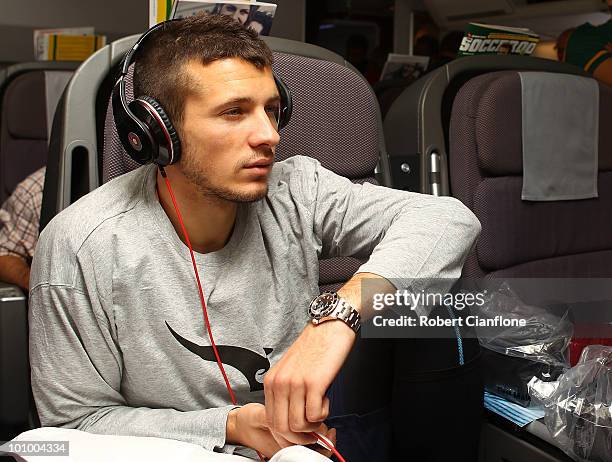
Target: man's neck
209, 221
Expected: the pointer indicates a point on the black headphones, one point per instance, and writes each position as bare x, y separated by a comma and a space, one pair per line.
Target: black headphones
145, 130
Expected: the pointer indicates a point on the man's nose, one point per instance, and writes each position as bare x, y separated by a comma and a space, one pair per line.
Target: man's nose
265, 130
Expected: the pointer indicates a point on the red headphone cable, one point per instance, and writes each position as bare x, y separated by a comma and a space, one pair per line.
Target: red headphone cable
324, 441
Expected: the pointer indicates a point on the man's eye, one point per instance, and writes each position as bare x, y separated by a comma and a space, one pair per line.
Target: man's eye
272, 109
234, 112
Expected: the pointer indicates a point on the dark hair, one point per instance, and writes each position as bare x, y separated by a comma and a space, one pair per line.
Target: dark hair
160, 73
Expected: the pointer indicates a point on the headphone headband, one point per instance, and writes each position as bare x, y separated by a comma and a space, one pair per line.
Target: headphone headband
127, 59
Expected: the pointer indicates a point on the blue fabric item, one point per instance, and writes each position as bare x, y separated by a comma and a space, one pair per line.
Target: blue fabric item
518, 414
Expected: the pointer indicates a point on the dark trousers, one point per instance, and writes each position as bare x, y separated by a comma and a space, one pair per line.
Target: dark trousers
408, 399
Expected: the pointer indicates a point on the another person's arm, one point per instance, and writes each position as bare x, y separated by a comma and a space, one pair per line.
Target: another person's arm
603, 72
14, 270
19, 222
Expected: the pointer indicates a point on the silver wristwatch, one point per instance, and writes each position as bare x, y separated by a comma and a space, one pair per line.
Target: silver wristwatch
328, 306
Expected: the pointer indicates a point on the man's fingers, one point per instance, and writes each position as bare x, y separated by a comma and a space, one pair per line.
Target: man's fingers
281, 408
325, 407
269, 403
279, 391
317, 406
297, 410
280, 440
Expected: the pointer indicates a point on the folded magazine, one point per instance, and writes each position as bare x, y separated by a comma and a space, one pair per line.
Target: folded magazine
257, 15
487, 39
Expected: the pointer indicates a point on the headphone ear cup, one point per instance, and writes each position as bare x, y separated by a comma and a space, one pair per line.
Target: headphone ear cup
286, 103
133, 133
168, 146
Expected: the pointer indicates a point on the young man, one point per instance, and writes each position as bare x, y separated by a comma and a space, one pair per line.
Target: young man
118, 343
590, 47
19, 221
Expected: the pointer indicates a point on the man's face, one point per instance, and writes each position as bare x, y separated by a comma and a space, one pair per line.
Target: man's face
229, 131
238, 12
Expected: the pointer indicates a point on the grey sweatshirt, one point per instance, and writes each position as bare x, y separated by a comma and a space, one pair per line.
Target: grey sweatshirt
117, 339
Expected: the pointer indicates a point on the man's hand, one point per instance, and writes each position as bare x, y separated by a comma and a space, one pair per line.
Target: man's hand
295, 387
246, 426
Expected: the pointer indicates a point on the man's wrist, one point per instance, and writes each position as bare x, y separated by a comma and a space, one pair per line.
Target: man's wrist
335, 326
231, 427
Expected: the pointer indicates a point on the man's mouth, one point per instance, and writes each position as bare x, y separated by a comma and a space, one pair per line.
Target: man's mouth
260, 167
262, 163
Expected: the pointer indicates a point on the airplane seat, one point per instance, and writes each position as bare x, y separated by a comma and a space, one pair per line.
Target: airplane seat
417, 124
29, 93
524, 238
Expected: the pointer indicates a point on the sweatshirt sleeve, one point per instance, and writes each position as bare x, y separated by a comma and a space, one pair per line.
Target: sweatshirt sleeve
407, 236
77, 369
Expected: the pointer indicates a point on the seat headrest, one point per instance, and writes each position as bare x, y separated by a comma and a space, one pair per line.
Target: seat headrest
495, 104
24, 106
334, 117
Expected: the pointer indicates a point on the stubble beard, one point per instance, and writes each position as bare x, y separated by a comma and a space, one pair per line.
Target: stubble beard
194, 172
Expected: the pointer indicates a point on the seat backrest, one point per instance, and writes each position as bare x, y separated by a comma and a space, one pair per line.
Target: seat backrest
568, 238
335, 120
29, 93
417, 124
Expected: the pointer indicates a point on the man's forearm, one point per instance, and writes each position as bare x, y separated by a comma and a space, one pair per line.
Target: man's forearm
360, 289
14, 270
206, 428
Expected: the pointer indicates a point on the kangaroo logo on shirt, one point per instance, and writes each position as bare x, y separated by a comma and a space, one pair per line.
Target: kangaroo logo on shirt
252, 365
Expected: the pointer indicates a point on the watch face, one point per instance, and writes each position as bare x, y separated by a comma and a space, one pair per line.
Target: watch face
322, 305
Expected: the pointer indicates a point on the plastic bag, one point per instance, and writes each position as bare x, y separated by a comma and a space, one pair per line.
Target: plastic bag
544, 338
513, 355
579, 405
